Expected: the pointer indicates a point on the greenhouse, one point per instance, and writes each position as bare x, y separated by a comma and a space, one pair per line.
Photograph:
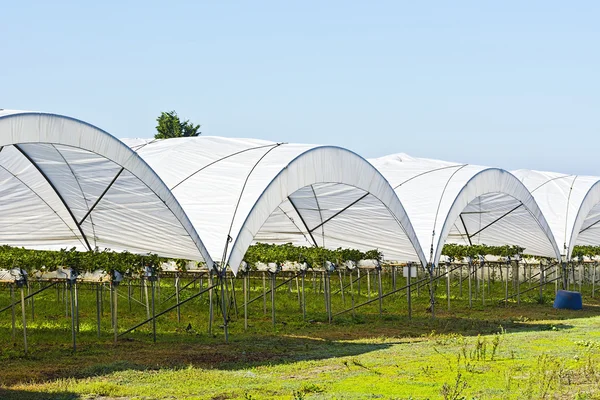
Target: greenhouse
236, 191
571, 205
466, 204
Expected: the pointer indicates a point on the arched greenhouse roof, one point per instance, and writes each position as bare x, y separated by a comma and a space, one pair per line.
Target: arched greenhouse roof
466, 204
237, 191
571, 204
66, 183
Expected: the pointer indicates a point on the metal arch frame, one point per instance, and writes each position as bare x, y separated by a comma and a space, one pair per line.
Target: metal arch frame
540, 222
410, 233
576, 230
125, 157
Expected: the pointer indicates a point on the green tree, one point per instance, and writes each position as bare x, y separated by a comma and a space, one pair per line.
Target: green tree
171, 126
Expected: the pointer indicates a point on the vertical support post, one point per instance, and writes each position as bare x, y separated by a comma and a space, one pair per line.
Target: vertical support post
368, 283
352, 293
14, 317
594, 280
518, 278
73, 334
541, 283
470, 270
145, 282
380, 290
177, 297
264, 281
115, 312
506, 284
211, 312
328, 284
273, 284
153, 309
76, 305
298, 291
325, 292
448, 284
408, 290
223, 276
24, 314
483, 267
303, 298
431, 290
460, 281
342, 287
246, 276
98, 312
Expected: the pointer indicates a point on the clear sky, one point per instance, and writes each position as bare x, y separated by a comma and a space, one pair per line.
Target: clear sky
514, 84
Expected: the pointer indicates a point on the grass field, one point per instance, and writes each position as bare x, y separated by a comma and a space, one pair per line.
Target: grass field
526, 351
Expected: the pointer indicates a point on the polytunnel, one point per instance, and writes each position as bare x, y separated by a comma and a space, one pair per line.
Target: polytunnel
66, 183
239, 191
571, 204
466, 204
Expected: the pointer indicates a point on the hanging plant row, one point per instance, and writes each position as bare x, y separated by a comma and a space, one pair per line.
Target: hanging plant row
457, 251
266, 253
107, 260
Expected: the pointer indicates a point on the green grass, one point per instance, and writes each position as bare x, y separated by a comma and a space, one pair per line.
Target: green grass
487, 352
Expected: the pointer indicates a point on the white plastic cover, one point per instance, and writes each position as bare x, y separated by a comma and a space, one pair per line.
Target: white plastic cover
461, 203
570, 203
66, 183
231, 188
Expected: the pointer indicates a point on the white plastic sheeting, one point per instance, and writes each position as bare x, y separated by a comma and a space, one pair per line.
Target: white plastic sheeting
304, 194
461, 203
570, 203
66, 183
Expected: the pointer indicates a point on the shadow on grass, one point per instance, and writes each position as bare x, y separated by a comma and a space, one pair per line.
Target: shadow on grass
9, 394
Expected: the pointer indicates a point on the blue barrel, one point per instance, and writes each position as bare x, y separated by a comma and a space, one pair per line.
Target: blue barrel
568, 300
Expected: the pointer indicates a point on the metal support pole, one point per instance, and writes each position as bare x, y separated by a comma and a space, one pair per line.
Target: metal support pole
264, 282
448, 284
224, 305
342, 287
246, 277
328, 284
76, 306
594, 280
98, 311
352, 293
470, 268
380, 290
24, 314
12, 307
368, 284
431, 291
73, 333
145, 282
408, 288
177, 298
153, 309
506, 285
303, 298
211, 312
115, 321
273, 299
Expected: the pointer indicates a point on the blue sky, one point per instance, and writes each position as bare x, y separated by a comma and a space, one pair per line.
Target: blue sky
514, 84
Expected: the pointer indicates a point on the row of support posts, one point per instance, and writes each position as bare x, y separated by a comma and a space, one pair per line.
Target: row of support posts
510, 274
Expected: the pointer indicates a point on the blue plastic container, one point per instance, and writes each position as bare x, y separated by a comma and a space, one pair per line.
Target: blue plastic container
568, 300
